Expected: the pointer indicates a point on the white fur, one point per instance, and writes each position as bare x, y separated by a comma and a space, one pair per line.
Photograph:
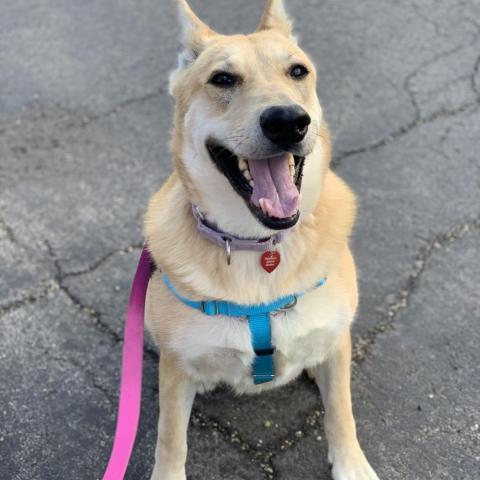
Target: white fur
220, 203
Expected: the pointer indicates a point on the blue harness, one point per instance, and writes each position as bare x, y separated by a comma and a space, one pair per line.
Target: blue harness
258, 316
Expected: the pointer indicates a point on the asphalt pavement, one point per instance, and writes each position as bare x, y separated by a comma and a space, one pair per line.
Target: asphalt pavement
84, 126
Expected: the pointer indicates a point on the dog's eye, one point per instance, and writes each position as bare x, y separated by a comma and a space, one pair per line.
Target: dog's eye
298, 71
224, 80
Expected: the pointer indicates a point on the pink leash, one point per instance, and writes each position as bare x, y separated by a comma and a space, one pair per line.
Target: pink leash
131, 378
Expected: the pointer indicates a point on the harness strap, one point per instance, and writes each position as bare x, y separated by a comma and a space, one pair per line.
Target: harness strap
258, 316
132, 355
230, 309
263, 368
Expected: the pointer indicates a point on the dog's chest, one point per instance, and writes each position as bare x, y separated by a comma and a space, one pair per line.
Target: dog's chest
219, 349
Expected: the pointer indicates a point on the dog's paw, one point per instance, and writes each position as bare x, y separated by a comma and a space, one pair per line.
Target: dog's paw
159, 475
168, 477
351, 466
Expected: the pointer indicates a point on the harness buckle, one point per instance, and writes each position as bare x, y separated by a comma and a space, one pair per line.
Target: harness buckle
263, 378
290, 305
204, 306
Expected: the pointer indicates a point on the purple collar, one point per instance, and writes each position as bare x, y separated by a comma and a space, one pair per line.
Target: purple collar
229, 242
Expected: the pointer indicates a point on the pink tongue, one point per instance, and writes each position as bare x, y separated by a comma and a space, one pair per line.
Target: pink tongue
273, 183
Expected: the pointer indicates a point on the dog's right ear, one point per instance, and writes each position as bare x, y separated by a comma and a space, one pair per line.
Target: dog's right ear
195, 33
194, 36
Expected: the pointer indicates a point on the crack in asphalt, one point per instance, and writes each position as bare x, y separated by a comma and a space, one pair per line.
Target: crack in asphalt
427, 63
418, 120
406, 129
90, 376
91, 312
401, 301
89, 119
429, 21
473, 79
310, 425
54, 284
262, 457
94, 314
8, 232
361, 348
265, 456
98, 263
30, 296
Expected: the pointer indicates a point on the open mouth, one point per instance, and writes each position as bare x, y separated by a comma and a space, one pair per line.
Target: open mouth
270, 187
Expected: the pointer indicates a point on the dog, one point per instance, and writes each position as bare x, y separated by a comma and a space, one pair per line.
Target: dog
251, 153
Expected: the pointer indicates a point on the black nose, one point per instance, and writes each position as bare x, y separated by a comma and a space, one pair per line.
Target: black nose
285, 125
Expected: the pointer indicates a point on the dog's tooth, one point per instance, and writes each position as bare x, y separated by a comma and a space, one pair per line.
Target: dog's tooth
251, 183
242, 164
262, 205
247, 174
292, 170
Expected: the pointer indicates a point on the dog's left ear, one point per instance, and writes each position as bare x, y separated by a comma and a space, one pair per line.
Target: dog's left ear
195, 36
275, 17
195, 33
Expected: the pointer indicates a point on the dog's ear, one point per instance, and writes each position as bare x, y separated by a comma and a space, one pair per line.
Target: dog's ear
275, 18
195, 36
195, 33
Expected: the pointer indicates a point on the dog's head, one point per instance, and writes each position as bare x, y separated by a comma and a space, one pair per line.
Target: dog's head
247, 123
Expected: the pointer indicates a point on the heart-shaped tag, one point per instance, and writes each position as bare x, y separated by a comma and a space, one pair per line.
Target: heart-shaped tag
270, 261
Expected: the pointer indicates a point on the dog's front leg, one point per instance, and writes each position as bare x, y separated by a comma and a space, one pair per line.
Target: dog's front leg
333, 379
177, 392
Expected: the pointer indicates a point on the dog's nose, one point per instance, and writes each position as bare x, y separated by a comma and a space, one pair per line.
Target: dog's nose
285, 125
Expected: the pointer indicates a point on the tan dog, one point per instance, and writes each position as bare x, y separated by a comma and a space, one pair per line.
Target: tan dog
248, 127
